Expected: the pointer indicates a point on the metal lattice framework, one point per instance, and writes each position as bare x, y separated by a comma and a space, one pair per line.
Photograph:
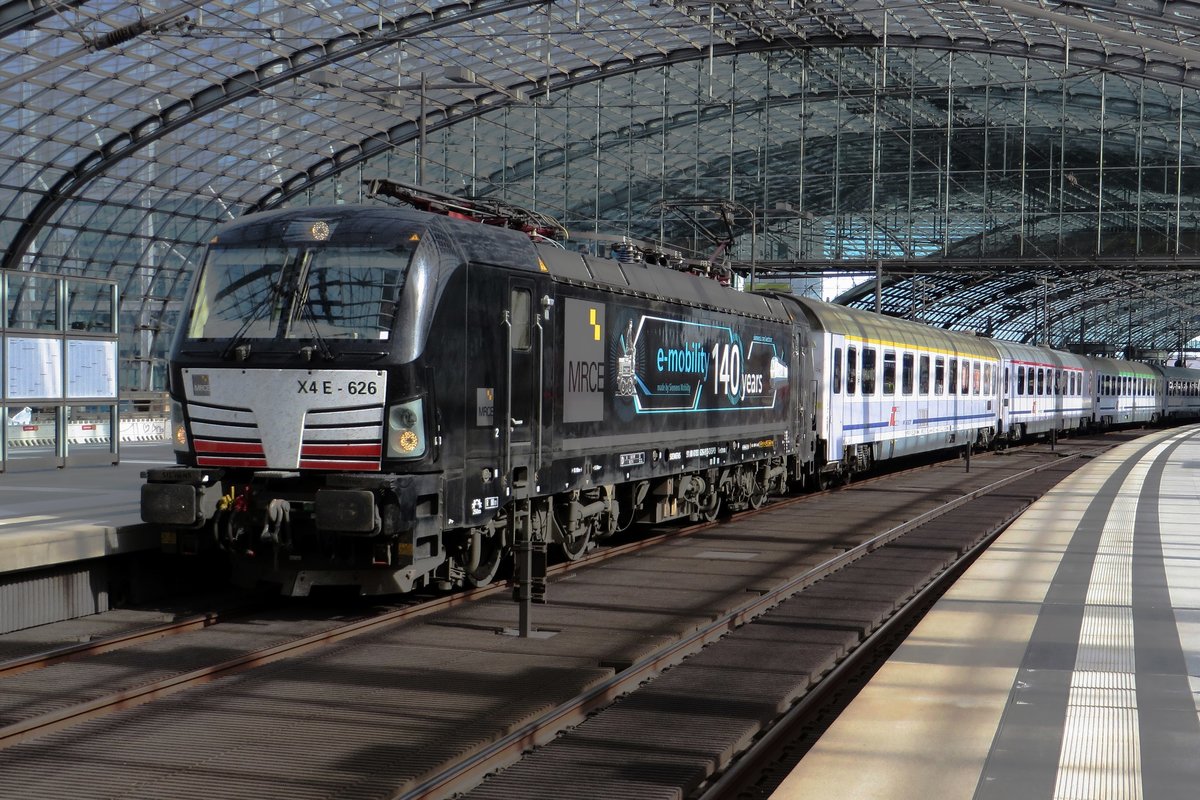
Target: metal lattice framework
1018, 167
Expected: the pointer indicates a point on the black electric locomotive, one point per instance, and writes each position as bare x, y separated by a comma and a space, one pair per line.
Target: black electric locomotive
379, 397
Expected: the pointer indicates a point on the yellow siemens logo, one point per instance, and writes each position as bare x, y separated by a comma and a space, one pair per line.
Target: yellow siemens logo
595, 325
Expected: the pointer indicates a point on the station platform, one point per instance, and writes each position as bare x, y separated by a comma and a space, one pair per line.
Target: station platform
1065, 663
51, 516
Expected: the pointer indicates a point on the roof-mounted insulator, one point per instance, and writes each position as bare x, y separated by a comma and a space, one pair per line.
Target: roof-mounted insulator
119, 36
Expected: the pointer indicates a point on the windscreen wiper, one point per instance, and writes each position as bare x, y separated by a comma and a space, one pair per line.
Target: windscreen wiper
235, 346
319, 340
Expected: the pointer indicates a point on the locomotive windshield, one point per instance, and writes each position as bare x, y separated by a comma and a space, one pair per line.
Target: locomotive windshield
278, 291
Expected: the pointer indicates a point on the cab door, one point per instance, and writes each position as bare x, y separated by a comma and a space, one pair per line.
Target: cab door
522, 379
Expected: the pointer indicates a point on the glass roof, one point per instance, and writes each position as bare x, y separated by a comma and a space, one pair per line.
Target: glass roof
965, 148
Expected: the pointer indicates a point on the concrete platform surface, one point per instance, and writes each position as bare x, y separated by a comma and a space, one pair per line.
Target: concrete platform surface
1064, 664
52, 516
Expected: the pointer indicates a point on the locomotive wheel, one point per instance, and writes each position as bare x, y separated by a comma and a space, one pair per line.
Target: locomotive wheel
491, 554
573, 547
758, 496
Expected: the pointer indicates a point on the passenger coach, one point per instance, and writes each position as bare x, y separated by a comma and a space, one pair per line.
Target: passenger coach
1127, 392
890, 387
1181, 387
1043, 390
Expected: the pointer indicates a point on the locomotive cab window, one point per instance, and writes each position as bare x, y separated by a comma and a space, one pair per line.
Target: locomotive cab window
298, 290
521, 316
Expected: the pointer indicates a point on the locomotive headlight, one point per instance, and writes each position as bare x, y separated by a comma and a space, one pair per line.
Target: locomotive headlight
406, 430
178, 431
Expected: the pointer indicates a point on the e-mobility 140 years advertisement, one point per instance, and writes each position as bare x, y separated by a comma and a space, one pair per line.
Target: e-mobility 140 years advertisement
620, 364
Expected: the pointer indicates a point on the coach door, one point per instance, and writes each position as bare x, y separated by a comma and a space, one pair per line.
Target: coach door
522, 377
838, 383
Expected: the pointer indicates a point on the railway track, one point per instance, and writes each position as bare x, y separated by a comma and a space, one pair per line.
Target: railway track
809, 694
27, 727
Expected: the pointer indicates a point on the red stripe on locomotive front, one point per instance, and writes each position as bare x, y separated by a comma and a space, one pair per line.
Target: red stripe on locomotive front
222, 461
362, 450
359, 466
245, 448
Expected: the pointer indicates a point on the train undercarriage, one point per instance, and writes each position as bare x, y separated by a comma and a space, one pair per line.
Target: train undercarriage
383, 533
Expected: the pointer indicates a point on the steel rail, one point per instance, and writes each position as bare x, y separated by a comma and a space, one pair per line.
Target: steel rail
115, 642
20, 731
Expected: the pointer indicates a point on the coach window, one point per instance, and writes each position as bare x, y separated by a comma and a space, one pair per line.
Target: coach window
1041, 381
987, 378
889, 372
939, 376
976, 377
1020, 381
952, 381
837, 370
520, 335
868, 371
906, 373
851, 369
923, 376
